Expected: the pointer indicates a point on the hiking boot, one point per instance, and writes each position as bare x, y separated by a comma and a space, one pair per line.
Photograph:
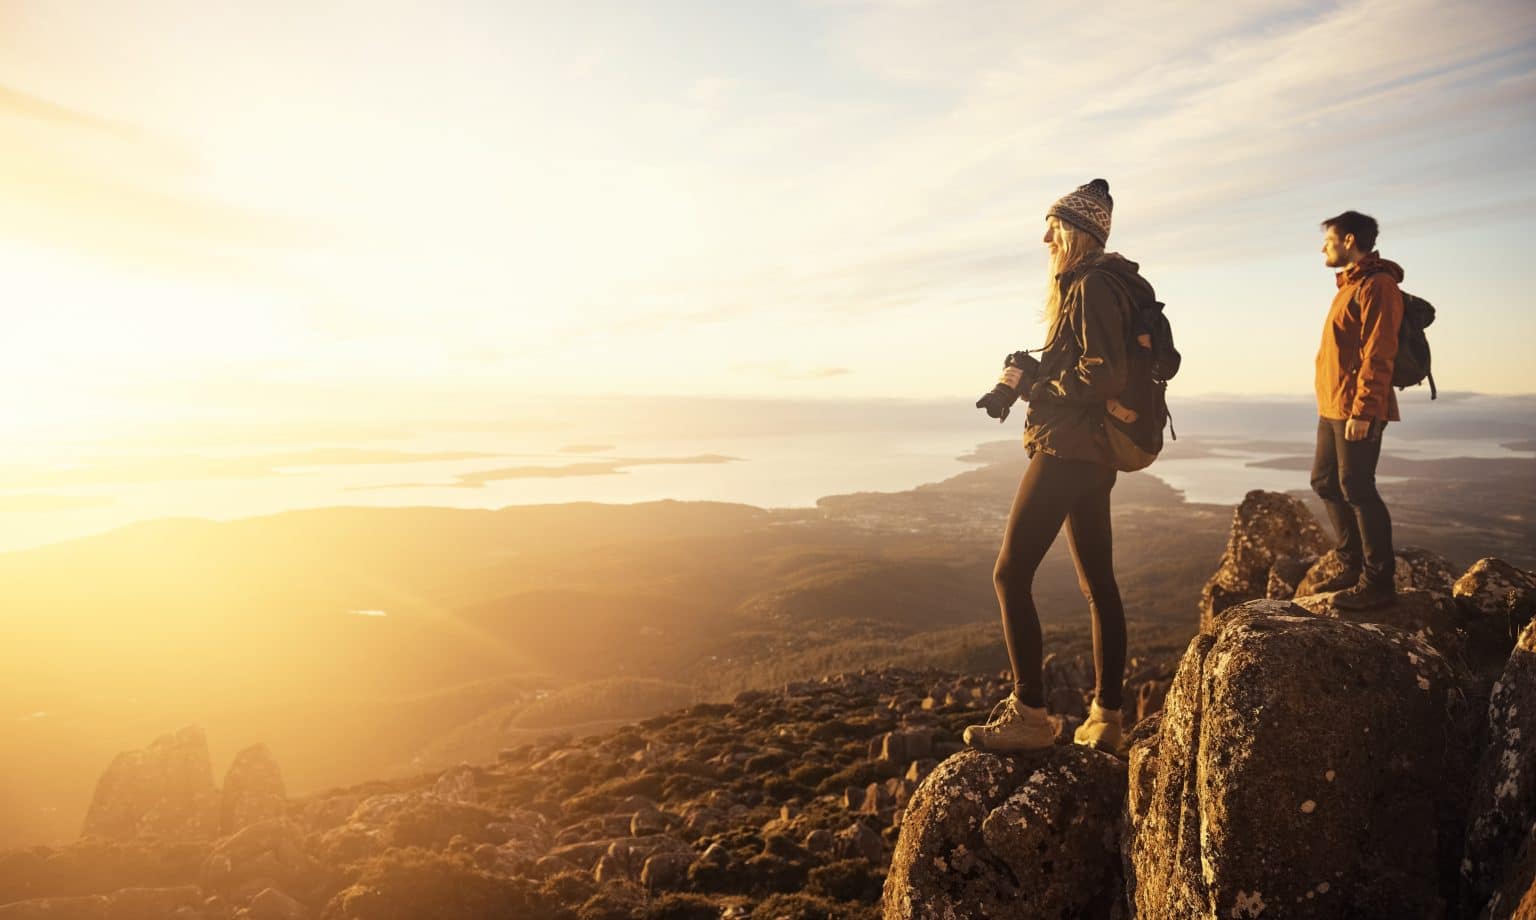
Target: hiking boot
1012, 728
1345, 579
1102, 730
1365, 596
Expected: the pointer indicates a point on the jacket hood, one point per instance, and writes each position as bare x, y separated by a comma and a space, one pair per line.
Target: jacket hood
1125, 271
1367, 267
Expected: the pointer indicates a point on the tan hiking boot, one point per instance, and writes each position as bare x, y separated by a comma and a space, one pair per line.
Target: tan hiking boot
1101, 731
1012, 728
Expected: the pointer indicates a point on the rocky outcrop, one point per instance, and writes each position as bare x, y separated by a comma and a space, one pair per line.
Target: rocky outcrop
1285, 575
1485, 587
164, 791
1502, 813
1021, 836
1304, 767
1266, 527
253, 790
1330, 743
1419, 569
1493, 589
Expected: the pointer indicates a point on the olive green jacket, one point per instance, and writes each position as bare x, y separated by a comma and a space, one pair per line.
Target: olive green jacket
1084, 362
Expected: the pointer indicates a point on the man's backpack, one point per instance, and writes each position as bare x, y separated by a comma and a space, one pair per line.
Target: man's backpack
1152, 360
1411, 367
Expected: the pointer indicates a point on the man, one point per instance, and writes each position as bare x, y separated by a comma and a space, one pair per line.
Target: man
1355, 401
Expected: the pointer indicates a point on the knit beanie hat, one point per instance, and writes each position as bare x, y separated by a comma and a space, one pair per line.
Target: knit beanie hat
1087, 209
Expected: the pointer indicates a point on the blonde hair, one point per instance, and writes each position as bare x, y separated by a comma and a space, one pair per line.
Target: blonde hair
1079, 246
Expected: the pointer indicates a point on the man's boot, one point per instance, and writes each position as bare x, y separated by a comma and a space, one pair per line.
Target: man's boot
1347, 578
1012, 728
1366, 595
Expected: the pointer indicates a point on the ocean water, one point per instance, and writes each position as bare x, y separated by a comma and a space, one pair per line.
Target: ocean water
780, 455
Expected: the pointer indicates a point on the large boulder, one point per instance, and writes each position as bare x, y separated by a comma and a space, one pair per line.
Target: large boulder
1484, 589
1286, 575
1025, 836
1266, 527
164, 791
1434, 618
1304, 767
1502, 812
253, 790
1418, 569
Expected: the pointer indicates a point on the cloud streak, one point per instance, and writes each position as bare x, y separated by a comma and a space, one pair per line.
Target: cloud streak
79, 181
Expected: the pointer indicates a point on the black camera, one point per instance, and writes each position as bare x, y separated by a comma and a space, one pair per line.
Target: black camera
1000, 401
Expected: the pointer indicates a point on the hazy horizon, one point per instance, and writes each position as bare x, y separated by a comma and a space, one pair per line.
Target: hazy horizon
756, 451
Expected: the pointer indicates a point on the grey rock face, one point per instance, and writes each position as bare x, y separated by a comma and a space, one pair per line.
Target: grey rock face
1420, 569
1503, 807
1433, 618
1515, 898
1265, 527
253, 790
164, 791
1485, 587
1011, 837
1286, 574
1305, 767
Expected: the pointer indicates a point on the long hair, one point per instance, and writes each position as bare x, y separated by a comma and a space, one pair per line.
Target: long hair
1079, 246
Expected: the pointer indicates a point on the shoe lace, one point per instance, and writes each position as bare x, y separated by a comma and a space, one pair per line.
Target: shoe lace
999, 710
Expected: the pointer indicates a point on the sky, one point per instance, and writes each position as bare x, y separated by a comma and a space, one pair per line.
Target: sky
347, 210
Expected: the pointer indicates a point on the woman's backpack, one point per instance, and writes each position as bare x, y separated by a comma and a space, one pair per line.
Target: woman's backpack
1152, 360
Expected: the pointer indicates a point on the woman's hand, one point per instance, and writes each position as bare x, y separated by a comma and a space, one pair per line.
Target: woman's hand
1011, 377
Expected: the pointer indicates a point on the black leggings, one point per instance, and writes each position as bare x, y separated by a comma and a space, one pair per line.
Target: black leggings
1055, 490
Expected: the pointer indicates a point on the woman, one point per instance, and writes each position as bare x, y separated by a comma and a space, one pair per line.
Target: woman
1082, 370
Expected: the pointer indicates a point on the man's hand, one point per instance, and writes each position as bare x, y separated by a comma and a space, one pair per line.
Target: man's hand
1356, 429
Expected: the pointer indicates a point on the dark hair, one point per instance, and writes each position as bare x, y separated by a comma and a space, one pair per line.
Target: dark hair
1362, 226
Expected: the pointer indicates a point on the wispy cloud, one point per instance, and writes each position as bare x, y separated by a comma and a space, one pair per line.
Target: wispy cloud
1216, 127
75, 180
18, 104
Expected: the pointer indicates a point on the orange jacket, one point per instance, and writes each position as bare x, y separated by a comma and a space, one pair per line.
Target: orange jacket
1354, 363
